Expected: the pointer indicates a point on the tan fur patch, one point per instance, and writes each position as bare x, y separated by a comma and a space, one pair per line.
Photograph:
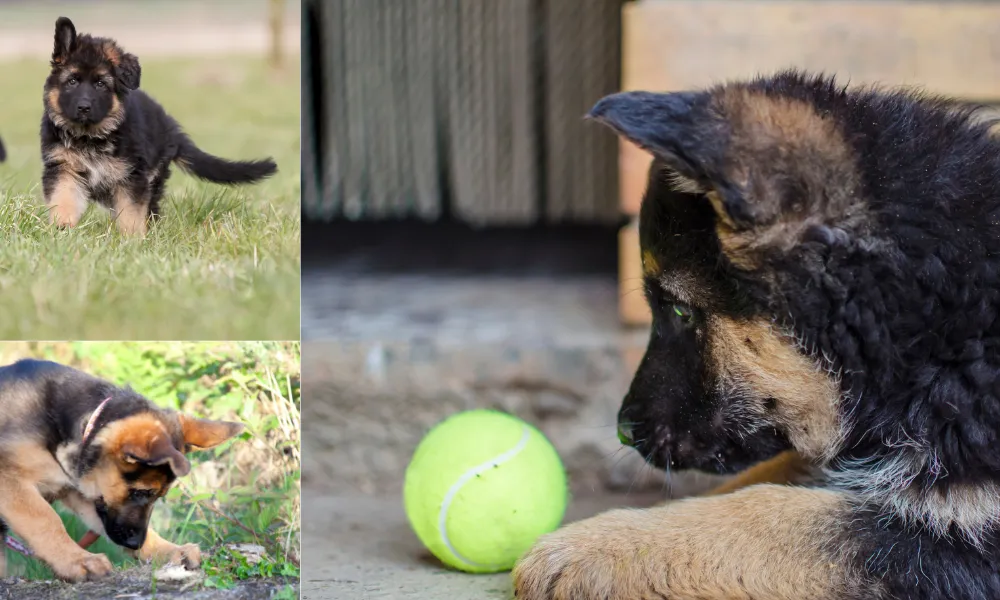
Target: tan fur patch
785, 468
774, 141
129, 215
68, 201
111, 53
765, 541
756, 360
158, 549
650, 266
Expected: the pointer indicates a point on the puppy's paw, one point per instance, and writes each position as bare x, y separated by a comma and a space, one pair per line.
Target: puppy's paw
82, 566
187, 555
603, 558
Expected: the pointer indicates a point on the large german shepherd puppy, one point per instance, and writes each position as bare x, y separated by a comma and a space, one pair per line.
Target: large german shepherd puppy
106, 141
104, 451
823, 267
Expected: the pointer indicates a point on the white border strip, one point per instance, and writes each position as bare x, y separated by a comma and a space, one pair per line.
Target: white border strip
465, 478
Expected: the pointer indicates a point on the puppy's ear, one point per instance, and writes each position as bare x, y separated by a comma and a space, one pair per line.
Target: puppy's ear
683, 131
204, 433
128, 72
156, 452
65, 40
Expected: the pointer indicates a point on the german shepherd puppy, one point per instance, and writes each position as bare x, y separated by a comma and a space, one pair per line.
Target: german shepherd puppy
823, 267
105, 452
106, 141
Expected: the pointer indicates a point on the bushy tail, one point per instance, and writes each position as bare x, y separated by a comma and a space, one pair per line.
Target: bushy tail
3, 153
219, 170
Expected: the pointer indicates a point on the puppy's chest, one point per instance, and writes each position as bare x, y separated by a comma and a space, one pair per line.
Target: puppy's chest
96, 167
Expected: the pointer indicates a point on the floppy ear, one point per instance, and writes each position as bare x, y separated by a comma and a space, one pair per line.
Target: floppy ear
204, 433
128, 72
683, 131
65, 40
158, 451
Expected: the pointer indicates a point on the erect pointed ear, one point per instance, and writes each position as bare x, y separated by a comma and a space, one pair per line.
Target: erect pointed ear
687, 135
128, 71
204, 433
65, 40
157, 451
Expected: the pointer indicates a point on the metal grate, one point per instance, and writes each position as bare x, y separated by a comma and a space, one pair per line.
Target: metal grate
463, 109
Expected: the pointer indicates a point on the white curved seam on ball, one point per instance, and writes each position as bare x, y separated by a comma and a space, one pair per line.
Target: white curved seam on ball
465, 478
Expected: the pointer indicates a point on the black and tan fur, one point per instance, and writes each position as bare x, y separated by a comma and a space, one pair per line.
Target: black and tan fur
106, 141
111, 477
823, 267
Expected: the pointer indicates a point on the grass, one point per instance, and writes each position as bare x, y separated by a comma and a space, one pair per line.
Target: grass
223, 263
244, 491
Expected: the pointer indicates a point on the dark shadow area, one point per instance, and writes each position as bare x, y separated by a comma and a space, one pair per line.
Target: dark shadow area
411, 247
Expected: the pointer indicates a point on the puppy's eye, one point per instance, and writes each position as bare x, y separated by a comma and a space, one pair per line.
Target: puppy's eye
100, 85
72, 82
684, 312
141, 494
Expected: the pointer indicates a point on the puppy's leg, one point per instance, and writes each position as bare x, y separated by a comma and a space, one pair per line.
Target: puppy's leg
158, 549
131, 211
31, 517
65, 197
785, 468
765, 541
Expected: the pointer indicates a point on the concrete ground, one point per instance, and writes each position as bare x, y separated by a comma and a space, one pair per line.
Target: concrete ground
361, 548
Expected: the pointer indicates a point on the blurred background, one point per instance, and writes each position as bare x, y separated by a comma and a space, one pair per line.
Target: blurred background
469, 240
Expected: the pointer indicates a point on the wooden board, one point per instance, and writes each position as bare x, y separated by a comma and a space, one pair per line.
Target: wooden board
948, 47
632, 307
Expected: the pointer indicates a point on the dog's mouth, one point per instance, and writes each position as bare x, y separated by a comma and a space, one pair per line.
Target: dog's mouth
711, 454
123, 534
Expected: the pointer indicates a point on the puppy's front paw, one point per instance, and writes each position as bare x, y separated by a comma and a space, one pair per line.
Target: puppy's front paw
593, 559
188, 555
82, 566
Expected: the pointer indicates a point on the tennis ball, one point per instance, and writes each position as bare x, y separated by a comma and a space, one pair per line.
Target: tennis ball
481, 487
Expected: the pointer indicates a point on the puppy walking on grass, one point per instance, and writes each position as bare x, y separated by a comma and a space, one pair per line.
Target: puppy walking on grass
106, 141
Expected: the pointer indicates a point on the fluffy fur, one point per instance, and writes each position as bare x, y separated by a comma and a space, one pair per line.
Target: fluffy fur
106, 141
108, 462
823, 266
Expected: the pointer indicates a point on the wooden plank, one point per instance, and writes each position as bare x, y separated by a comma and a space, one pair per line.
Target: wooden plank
947, 47
632, 307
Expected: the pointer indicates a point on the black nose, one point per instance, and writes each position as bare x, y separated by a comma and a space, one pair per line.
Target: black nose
83, 109
134, 541
625, 434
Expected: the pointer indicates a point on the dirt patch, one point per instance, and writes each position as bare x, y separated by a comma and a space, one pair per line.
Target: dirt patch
139, 583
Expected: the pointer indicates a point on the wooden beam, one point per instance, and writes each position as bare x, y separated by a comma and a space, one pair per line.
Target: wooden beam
950, 48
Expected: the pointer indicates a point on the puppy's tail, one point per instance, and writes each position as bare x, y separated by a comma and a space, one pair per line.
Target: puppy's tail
3, 153
201, 164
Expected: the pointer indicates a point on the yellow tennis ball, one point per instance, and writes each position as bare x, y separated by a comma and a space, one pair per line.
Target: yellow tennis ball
481, 487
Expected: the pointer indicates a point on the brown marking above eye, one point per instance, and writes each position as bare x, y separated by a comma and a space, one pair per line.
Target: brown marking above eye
650, 266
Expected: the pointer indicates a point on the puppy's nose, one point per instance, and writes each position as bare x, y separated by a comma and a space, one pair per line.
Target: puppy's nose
135, 541
625, 434
83, 109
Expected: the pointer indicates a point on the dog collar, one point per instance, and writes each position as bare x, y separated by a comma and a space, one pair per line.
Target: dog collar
93, 420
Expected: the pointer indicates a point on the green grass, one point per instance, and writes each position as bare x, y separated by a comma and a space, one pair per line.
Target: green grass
244, 491
222, 263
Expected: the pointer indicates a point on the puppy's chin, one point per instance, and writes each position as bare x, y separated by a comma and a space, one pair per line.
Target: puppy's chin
722, 458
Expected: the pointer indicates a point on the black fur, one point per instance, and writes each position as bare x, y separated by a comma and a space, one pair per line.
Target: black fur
903, 304
3, 152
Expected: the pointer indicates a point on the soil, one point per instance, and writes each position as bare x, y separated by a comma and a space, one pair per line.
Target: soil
138, 584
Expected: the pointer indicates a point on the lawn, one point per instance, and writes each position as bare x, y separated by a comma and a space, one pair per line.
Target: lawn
246, 491
222, 263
